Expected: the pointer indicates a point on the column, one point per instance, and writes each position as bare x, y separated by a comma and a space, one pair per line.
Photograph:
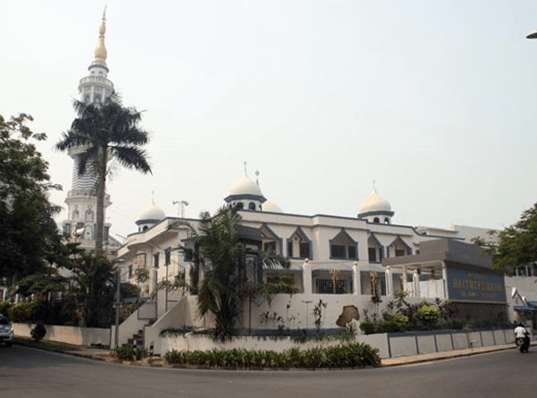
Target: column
389, 282
306, 277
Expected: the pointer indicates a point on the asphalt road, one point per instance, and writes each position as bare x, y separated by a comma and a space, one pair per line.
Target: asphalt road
27, 372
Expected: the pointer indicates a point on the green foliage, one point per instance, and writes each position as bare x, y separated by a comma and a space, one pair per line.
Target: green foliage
343, 355
367, 327
130, 353
226, 284
174, 332
428, 315
517, 245
106, 130
4, 307
28, 234
23, 311
94, 288
392, 323
38, 332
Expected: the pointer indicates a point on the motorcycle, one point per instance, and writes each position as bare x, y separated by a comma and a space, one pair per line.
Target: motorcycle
523, 343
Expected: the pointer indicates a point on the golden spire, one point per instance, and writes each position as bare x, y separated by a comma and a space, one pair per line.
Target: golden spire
100, 50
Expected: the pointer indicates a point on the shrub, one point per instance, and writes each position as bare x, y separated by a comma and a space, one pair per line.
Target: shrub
343, 355
23, 311
38, 332
4, 307
367, 327
129, 352
428, 315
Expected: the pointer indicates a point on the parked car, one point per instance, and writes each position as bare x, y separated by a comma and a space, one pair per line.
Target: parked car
6, 331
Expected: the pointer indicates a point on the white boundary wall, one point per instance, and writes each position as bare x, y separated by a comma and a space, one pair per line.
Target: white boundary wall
389, 344
67, 334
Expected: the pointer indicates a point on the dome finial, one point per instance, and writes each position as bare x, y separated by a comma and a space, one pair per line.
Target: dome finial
100, 50
245, 169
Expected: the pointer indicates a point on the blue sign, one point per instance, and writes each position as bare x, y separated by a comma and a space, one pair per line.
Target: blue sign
475, 285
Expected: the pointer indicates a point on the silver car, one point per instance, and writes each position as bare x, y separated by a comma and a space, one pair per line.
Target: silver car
6, 331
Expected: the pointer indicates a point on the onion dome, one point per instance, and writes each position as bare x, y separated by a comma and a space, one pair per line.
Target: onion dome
150, 216
247, 192
271, 207
375, 208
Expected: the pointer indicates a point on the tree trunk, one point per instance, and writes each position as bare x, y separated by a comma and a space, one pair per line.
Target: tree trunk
101, 190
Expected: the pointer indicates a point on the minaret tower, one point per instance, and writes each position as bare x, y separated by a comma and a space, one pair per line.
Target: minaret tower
82, 198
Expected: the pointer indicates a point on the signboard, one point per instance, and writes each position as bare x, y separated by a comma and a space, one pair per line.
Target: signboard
475, 285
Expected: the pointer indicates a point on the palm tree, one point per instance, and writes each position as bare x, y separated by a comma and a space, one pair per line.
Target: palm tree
104, 130
225, 285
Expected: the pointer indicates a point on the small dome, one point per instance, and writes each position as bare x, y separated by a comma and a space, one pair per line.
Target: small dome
245, 186
374, 202
271, 207
152, 213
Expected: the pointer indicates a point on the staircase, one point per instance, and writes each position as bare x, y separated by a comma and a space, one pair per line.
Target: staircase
137, 340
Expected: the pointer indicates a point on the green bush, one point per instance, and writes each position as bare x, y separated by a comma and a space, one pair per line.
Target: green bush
367, 327
4, 307
38, 332
23, 311
129, 352
428, 315
342, 355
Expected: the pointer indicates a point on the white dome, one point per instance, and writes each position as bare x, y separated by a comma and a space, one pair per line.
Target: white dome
152, 212
374, 202
245, 186
271, 207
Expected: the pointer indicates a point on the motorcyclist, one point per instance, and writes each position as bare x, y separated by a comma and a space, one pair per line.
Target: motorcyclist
521, 332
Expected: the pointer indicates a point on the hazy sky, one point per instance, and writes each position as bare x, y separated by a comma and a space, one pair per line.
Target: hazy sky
434, 100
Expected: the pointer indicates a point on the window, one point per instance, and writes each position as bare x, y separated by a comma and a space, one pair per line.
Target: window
375, 249
337, 251
343, 246
298, 245
269, 246
372, 254
251, 206
67, 229
155, 260
399, 248
167, 256
304, 249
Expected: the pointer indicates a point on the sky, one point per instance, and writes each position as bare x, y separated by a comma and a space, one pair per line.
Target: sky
434, 101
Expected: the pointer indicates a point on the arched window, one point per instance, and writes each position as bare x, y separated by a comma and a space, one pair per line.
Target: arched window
386, 220
251, 206
376, 220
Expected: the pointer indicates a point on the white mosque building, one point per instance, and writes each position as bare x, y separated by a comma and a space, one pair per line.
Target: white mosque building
339, 260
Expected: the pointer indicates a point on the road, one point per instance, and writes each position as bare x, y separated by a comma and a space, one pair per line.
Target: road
27, 372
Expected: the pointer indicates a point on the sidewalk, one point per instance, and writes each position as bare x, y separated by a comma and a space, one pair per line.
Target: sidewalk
444, 355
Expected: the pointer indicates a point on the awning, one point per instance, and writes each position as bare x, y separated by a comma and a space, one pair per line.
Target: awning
524, 308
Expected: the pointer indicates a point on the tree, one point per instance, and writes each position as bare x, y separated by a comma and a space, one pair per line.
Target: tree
227, 281
102, 130
516, 245
94, 286
29, 240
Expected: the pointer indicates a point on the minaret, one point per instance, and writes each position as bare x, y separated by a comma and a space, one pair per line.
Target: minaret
82, 198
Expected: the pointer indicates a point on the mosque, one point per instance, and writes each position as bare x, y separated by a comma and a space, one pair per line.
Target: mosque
357, 262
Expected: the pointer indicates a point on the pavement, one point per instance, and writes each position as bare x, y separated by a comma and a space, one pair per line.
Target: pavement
104, 354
